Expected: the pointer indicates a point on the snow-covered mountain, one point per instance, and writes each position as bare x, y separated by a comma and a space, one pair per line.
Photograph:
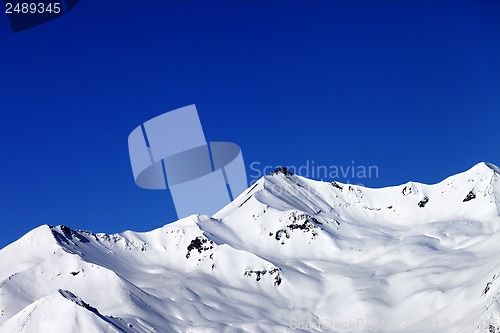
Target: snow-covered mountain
288, 255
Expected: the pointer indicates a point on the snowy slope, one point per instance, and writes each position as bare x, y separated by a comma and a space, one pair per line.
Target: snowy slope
63, 312
288, 255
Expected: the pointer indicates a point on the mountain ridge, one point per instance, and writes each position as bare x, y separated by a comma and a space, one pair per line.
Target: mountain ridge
358, 254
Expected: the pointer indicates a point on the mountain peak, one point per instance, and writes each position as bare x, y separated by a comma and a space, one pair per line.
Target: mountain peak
288, 247
485, 167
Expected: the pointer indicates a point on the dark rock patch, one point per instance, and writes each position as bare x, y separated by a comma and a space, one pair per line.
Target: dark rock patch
423, 202
337, 185
470, 196
487, 288
281, 170
200, 244
299, 221
259, 274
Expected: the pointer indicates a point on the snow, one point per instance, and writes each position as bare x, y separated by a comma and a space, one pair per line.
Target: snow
288, 255
61, 311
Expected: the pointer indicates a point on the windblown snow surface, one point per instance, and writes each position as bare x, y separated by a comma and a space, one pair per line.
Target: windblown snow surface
288, 255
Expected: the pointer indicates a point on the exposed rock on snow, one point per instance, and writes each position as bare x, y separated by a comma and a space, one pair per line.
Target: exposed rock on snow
290, 254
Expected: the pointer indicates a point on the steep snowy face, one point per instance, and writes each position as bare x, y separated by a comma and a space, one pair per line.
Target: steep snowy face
469, 195
289, 254
341, 214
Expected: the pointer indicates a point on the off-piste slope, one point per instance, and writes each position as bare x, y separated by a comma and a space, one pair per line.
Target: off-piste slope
289, 254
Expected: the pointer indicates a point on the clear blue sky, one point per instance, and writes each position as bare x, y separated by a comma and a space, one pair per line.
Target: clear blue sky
412, 87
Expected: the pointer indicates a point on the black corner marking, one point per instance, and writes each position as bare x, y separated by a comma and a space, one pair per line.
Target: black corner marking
27, 14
